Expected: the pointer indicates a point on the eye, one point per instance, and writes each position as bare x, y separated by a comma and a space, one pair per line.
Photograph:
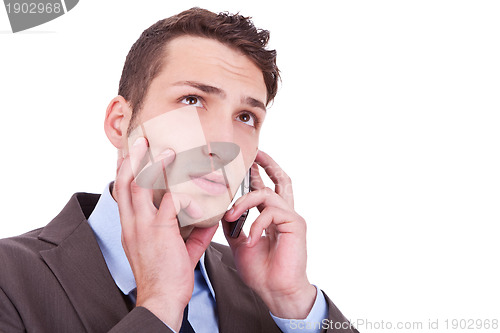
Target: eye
247, 118
192, 100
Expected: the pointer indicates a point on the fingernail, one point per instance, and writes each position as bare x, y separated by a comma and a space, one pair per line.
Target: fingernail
167, 153
229, 212
139, 141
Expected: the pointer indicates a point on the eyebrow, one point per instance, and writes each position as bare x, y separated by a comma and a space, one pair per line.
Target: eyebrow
203, 87
253, 102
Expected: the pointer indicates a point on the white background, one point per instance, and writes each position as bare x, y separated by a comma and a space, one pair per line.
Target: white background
387, 121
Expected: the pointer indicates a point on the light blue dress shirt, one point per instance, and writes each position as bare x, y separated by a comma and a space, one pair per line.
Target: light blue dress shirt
105, 222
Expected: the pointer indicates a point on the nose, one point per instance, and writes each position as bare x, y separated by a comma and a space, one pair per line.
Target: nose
218, 126
221, 153
219, 135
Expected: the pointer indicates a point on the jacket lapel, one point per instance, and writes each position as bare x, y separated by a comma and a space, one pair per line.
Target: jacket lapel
237, 306
79, 266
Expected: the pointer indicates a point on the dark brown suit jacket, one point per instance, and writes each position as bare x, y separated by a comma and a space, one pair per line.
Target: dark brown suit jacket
54, 279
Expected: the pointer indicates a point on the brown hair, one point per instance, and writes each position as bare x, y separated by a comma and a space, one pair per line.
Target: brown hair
146, 57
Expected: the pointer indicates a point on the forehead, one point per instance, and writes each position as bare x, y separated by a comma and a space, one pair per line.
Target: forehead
190, 58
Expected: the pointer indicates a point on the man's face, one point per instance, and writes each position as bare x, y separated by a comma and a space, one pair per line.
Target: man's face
226, 92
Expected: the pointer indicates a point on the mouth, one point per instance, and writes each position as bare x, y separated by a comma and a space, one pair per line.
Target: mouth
212, 183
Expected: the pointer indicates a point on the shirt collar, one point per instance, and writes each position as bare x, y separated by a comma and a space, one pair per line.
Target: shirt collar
105, 222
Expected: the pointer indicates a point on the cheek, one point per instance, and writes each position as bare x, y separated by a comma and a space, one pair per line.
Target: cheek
248, 141
249, 150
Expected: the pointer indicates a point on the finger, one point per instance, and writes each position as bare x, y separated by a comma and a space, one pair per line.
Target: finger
280, 179
265, 197
256, 182
198, 241
142, 187
138, 154
124, 178
142, 197
119, 162
152, 172
283, 220
172, 203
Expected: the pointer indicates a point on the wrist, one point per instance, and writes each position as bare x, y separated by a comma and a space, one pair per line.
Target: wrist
170, 314
295, 304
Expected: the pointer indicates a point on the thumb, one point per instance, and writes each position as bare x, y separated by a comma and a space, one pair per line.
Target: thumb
198, 241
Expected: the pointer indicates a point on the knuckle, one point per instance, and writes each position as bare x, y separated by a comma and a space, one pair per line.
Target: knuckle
268, 214
302, 222
267, 191
269, 210
283, 176
135, 188
127, 236
118, 187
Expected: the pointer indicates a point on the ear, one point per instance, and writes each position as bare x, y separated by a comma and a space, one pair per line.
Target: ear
116, 122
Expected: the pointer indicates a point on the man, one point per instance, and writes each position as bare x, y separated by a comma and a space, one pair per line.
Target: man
128, 261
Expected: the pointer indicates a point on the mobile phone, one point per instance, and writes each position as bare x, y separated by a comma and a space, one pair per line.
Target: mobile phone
238, 225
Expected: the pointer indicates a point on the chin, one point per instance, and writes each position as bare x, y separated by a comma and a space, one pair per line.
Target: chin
185, 220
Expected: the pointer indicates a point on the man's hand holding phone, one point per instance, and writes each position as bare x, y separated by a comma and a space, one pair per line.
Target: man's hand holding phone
162, 262
273, 265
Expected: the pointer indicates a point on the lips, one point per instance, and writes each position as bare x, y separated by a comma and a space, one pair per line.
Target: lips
212, 183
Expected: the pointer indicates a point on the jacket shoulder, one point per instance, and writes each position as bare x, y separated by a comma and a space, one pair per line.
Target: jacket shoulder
21, 248
22, 251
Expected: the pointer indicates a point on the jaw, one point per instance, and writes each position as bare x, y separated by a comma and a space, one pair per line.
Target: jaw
187, 230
